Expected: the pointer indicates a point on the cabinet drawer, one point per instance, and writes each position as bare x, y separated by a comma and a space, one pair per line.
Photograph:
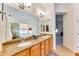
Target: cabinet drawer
35, 50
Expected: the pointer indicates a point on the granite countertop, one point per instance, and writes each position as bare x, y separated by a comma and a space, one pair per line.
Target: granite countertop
12, 49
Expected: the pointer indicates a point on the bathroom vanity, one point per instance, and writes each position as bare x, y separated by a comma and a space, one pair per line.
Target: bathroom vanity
41, 46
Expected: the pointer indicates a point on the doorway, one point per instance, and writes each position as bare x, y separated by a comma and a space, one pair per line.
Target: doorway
59, 30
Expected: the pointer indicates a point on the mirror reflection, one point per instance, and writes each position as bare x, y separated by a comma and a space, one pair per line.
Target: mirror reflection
20, 30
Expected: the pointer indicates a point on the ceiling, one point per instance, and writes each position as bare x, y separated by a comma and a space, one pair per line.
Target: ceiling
35, 8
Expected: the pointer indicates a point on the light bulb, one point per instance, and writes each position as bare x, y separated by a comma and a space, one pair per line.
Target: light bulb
28, 5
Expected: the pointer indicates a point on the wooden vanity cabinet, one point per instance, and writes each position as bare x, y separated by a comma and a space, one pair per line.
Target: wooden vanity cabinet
43, 48
35, 50
23, 53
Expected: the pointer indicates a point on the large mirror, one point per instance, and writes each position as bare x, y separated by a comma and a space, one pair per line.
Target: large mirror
17, 23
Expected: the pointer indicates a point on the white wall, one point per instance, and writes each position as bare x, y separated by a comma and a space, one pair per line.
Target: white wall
76, 27
53, 26
60, 8
68, 27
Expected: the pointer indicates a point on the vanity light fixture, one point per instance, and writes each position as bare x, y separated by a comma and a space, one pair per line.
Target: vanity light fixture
24, 5
28, 5
41, 12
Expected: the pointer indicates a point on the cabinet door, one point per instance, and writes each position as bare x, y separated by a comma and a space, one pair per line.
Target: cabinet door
27, 52
51, 44
43, 48
35, 50
23, 53
47, 47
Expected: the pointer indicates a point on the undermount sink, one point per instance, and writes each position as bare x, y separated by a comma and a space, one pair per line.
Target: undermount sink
24, 44
45, 37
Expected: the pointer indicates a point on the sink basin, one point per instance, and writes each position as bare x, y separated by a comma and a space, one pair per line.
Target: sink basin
24, 44
45, 37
